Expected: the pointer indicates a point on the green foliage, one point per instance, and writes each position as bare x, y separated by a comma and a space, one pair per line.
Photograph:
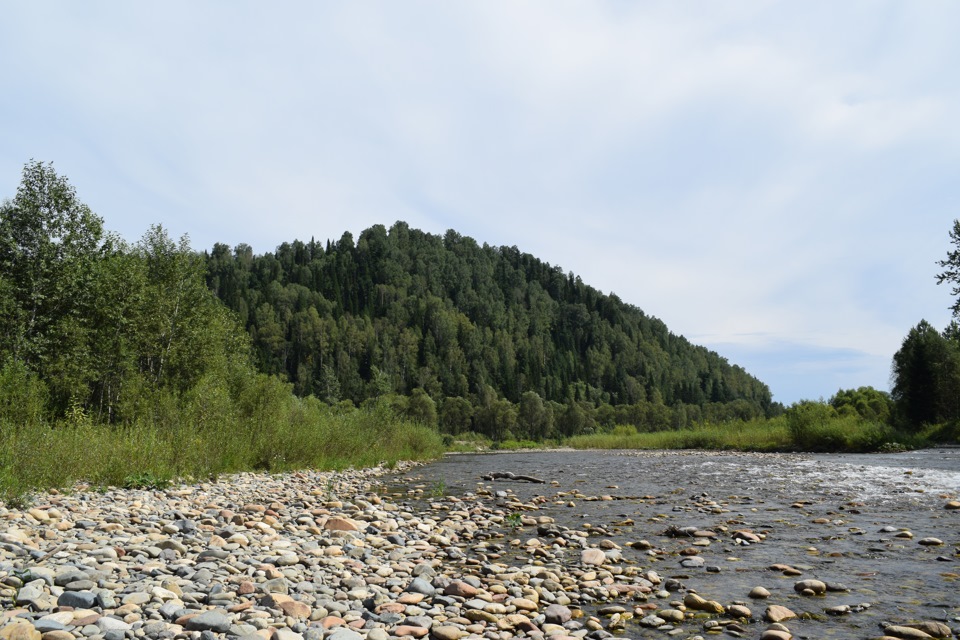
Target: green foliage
422, 409
263, 426
754, 435
817, 426
400, 310
49, 244
926, 378
119, 367
865, 402
456, 415
808, 419
806, 426
951, 268
145, 480
23, 397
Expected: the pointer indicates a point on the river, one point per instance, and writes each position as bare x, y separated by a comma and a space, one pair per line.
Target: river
854, 521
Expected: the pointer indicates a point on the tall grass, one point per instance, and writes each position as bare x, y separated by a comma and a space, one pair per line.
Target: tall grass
754, 435
254, 423
818, 433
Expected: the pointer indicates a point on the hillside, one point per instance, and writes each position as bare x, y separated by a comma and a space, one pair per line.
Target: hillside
401, 310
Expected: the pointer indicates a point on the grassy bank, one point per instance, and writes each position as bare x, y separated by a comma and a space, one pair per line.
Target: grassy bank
259, 426
784, 433
757, 435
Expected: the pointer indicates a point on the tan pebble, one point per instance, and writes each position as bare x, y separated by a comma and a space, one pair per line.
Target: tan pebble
777, 613
739, 611
461, 589
58, 634
410, 598
906, 633
592, 557
19, 631
759, 593
524, 604
446, 632
295, 609
332, 621
930, 542
935, 629
335, 523
814, 587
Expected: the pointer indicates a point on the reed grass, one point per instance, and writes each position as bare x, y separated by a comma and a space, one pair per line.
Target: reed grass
262, 426
834, 434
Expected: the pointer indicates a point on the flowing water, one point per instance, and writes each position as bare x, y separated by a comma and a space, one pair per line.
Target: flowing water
836, 518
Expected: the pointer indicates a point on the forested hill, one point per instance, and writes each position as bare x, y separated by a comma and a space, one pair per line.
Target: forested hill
400, 310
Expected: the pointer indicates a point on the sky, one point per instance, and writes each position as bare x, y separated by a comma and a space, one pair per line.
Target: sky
774, 180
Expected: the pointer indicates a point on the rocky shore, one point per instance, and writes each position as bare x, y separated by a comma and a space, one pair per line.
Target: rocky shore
314, 555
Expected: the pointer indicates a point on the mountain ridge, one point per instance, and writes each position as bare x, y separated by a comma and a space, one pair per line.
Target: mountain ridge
402, 309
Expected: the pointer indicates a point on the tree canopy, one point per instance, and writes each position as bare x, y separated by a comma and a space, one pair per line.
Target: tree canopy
400, 309
951, 268
99, 323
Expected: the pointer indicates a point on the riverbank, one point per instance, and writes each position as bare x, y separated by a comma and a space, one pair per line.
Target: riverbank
313, 555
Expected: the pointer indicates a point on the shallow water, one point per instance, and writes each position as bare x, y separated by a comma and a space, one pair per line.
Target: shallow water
851, 497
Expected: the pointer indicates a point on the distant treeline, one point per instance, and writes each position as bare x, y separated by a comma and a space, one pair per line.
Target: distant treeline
494, 339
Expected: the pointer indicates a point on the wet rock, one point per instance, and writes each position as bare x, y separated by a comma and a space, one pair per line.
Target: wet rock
906, 633
810, 587
739, 611
759, 593
839, 610
778, 613
697, 603
652, 621
933, 628
77, 599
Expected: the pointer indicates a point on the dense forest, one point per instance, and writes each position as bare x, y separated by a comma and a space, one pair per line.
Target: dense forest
438, 332
410, 313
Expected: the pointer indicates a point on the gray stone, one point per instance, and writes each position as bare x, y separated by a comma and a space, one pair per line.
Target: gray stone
209, 621
45, 624
77, 599
106, 623
557, 614
344, 634
419, 585
31, 593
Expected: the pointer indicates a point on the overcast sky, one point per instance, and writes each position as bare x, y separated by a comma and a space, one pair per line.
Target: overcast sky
774, 180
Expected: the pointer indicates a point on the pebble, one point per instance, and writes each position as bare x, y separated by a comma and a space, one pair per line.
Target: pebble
778, 613
320, 556
759, 593
810, 587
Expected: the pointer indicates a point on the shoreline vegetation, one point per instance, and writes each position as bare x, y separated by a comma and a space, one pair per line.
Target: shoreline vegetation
132, 365
285, 434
